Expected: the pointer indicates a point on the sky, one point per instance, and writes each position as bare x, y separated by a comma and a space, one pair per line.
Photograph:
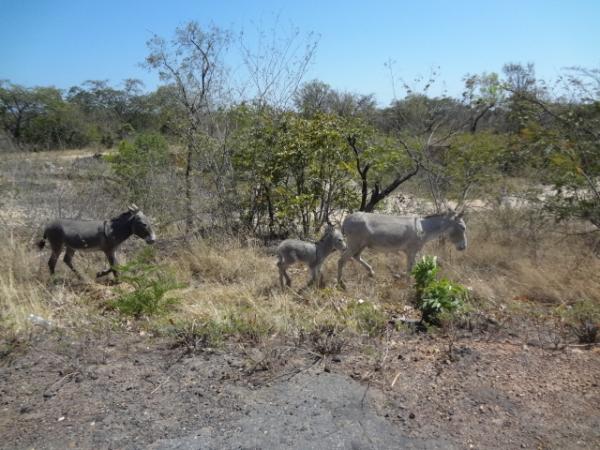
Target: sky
66, 42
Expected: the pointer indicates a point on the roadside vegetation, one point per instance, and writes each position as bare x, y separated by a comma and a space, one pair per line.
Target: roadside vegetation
224, 178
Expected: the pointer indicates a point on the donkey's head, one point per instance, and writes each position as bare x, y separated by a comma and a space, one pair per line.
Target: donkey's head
140, 225
457, 229
336, 237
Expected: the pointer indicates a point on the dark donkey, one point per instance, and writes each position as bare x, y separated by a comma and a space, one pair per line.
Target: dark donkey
95, 235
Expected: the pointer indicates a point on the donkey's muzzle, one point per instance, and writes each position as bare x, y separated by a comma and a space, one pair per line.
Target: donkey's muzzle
151, 239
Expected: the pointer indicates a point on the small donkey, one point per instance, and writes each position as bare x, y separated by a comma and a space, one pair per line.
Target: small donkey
291, 251
95, 235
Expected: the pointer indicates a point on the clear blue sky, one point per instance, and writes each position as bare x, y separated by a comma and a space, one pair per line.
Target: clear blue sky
65, 42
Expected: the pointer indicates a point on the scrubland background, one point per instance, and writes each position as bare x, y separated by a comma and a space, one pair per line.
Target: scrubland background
224, 177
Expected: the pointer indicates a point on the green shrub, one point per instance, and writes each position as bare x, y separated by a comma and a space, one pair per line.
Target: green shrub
434, 297
424, 273
441, 296
150, 284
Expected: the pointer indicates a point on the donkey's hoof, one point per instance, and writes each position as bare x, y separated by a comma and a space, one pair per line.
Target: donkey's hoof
341, 285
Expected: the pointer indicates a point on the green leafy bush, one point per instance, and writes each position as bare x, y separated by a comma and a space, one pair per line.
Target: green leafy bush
150, 285
424, 273
441, 296
434, 296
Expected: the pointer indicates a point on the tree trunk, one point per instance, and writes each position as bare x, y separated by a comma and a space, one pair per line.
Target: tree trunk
377, 195
189, 213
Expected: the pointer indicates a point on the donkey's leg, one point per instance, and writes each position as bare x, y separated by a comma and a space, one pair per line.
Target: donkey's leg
52, 261
56, 251
363, 263
410, 260
346, 255
68, 259
319, 278
283, 274
288, 280
314, 275
112, 261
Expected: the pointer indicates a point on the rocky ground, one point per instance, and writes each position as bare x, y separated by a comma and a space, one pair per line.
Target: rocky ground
130, 391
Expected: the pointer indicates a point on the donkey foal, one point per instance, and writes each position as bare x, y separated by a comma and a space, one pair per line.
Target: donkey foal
313, 255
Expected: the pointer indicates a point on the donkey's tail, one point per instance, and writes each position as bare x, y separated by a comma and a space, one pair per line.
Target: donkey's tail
42, 242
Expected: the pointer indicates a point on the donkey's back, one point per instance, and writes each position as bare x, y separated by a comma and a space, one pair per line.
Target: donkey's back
76, 234
380, 231
291, 251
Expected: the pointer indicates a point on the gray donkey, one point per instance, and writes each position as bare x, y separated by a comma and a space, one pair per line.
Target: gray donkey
392, 233
95, 235
291, 251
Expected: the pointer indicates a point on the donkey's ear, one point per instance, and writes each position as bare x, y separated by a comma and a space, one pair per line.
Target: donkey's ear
133, 208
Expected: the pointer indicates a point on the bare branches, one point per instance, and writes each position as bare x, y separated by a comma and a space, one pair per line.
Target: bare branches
277, 67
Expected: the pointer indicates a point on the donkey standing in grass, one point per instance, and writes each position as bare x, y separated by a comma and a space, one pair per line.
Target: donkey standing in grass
391, 233
291, 251
95, 235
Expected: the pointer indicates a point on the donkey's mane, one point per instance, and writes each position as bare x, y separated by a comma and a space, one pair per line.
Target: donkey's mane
122, 216
431, 216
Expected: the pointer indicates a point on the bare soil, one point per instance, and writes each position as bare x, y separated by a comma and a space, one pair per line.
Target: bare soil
132, 390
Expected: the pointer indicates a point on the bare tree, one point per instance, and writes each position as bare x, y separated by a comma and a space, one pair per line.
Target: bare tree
191, 61
277, 62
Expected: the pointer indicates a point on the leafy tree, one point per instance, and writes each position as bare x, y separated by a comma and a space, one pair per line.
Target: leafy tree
296, 169
383, 163
483, 94
138, 164
18, 106
316, 97
564, 135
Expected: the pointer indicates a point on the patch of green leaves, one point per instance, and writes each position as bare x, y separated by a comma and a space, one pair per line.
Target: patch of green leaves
433, 296
150, 283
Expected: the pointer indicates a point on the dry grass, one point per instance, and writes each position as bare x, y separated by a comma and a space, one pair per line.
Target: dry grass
513, 260
232, 289
27, 289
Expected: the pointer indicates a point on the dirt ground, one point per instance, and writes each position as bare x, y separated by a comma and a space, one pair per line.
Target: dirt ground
132, 390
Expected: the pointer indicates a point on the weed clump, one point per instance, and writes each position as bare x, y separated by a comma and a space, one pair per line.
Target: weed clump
433, 296
583, 319
150, 283
366, 318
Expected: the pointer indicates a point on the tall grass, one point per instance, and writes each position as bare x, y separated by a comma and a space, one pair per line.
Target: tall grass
232, 289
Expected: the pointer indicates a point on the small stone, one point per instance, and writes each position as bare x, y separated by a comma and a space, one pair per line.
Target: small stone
411, 416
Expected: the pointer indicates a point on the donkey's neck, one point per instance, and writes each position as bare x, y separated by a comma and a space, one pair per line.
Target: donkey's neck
121, 230
433, 227
324, 248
